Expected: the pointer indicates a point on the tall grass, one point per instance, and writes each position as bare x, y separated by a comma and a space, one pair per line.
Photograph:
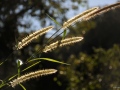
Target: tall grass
18, 79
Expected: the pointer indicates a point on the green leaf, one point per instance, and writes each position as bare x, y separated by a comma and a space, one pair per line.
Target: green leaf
12, 77
47, 59
18, 67
31, 66
54, 20
2, 84
22, 87
64, 34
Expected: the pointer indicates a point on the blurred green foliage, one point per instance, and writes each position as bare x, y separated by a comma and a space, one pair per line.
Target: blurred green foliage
98, 71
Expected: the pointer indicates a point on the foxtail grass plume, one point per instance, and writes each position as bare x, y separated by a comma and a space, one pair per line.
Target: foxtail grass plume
78, 17
31, 75
25, 41
61, 43
101, 11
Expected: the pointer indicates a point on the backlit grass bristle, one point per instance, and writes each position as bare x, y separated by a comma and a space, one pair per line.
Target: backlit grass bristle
61, 43
31, 75
25, 41
77, 17
101, 11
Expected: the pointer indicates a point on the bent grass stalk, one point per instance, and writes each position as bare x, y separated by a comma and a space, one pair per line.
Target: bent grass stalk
31, 75
78, 17
101, 11
61, 43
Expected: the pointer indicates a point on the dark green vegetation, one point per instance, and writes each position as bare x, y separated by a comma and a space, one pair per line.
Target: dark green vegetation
95, 61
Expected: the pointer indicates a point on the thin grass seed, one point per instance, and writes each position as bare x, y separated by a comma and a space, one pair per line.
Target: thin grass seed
101, 11
63, 42
25, 41
31, 75
77, 18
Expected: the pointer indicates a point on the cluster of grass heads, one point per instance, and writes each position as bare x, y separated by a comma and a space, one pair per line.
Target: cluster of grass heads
17, 79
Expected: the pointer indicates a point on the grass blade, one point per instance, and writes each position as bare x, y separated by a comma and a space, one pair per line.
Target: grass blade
31, 66
64, 34
22, 87
53, 20
18, 67
48, 59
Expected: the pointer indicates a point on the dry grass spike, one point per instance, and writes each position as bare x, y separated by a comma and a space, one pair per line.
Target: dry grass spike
61, 43
32, 37
31, 75
101, 11
78, 17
